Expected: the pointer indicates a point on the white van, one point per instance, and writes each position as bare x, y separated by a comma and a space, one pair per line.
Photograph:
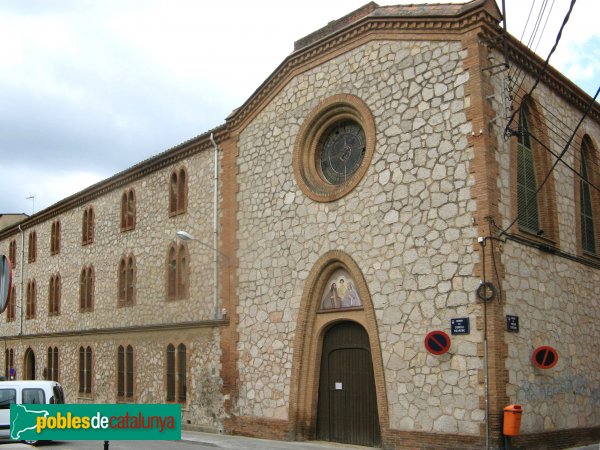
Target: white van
28, 392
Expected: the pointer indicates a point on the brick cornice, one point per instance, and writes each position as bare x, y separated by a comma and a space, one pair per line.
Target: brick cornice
124, 178
556, 81
372, 27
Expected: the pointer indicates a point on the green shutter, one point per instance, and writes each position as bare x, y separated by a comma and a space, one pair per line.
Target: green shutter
527, 204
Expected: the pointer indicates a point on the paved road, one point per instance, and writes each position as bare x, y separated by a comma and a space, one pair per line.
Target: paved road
201, 441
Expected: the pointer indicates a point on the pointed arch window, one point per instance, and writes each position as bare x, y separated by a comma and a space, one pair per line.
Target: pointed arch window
54, 295
87, 227
127, 280
52, 364
86, 289
128, 210
85, 371
55, 238
32, 249
589, 198
125, 374
10, 307
533, 192
528, 217
9, 362
177, 272
176, 373
12, 253
178, 191
30, 305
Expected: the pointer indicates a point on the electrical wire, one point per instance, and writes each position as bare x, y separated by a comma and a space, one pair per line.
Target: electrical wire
545, 66
544, 27
560, 131
558, 158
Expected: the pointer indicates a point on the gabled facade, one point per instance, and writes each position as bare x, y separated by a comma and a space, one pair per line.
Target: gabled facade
366, 192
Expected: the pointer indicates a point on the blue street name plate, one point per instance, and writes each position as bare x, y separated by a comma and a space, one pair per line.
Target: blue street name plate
459, 326
512, 324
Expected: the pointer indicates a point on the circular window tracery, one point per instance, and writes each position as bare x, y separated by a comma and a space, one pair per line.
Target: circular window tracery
334, 148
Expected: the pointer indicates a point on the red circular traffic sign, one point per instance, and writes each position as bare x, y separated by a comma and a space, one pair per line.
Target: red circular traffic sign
437, 342
544, 357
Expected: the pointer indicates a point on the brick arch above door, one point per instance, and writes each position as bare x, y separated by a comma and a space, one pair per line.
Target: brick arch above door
311, 327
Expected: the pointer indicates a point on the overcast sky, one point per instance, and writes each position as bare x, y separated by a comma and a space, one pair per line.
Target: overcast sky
91, 87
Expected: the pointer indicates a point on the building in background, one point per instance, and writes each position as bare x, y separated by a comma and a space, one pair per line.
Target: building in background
398, 257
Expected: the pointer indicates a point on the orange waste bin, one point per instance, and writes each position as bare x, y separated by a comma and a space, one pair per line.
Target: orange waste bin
512, 420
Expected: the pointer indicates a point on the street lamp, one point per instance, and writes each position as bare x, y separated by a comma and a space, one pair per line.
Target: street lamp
185, 236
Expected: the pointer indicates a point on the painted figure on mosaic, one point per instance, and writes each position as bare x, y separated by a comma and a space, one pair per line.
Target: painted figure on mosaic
340, 293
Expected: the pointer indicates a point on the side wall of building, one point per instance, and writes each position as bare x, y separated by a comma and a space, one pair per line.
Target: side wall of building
555, 297
153, 321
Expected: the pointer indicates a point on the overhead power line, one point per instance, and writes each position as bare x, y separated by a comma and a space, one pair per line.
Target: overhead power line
507, 130
558, 157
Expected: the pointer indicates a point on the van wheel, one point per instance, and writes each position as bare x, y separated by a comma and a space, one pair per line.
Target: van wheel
34, 443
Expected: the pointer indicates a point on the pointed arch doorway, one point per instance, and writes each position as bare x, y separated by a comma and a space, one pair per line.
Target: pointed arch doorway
337, 330
29, 365
347, 404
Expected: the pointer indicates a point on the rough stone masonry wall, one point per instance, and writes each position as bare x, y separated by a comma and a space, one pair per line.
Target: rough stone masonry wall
149, 243
556, 299
408, 225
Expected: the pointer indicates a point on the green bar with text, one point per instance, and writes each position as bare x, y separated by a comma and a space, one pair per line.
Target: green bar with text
95, 422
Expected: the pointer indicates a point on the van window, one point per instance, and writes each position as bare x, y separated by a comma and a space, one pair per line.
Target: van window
33, 395
7, 396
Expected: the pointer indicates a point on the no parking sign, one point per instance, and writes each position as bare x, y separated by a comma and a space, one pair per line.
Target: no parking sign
437, 342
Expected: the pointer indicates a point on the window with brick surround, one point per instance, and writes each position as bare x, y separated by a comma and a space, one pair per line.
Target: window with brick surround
526, 180
55, 238
54, 288
85, 371
9, 361
126, 281
30, 300
87, 227
125, 373
178, 191
534, 203
177, 272
11, 305
52, 364
589, 198
12, 253
176, 373
86, 289
128, 210
32, 248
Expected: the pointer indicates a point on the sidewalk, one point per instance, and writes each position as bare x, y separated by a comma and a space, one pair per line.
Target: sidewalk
239, 442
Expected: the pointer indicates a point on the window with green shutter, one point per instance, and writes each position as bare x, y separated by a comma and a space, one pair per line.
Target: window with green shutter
588, 240
527, 203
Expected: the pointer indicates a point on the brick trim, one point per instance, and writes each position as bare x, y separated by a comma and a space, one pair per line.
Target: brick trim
308, 341
548, 215
330, 111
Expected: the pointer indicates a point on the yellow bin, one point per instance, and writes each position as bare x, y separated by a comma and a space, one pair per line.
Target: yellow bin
512, 420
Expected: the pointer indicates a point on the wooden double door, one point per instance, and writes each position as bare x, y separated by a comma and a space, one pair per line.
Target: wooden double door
347, 404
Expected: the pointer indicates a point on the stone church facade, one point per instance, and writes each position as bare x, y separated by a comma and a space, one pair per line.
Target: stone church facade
366, 193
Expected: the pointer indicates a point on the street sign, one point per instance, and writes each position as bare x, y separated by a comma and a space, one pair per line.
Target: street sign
437, 342
5, 281
460, 326
512, 323
544, 357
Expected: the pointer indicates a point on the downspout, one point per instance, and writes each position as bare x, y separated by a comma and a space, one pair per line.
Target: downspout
22, 284
216, 309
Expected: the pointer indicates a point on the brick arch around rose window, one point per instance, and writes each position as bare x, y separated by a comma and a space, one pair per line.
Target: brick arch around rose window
312, 325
